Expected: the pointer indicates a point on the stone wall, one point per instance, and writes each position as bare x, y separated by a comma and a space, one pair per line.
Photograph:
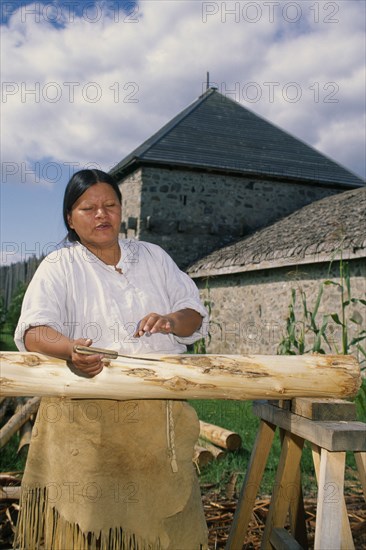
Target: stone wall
249, 309
131, 204
191, 213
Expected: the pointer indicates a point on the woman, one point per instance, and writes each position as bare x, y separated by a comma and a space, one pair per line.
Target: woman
105, 474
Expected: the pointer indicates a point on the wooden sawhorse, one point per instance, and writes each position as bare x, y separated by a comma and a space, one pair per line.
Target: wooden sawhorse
332, 433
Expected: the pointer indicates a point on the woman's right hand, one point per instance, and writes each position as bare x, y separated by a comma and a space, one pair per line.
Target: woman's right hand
45, 339
91, 365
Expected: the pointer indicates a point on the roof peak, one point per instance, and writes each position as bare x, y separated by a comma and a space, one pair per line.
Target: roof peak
216, 132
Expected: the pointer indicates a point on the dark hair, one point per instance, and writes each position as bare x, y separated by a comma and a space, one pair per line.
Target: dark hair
78, 184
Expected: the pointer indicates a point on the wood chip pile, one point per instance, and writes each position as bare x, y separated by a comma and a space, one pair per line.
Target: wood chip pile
219, 512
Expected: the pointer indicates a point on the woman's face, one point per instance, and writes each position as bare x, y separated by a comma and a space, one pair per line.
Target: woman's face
96, 217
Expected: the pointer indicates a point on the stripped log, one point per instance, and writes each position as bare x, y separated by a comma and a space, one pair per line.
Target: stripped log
9, 486
240, 377
10, 493
18, 419
217, 452
25, 431
220, 436
201, 456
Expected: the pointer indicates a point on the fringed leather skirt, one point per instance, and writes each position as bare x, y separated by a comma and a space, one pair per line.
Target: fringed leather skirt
111, 475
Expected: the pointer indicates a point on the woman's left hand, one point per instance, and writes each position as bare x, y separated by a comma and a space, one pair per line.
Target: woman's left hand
181, 323
153, 323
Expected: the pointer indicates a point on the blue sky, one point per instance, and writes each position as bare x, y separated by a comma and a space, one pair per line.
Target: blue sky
84, 83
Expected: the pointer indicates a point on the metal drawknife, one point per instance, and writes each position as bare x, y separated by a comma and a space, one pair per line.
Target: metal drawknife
108, 353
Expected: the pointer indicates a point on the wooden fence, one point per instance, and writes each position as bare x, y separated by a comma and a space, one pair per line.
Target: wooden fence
11, 276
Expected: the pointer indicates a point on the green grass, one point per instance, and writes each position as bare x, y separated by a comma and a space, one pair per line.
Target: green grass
10, 460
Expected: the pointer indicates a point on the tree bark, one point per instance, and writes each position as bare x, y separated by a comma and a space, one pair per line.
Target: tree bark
239, 377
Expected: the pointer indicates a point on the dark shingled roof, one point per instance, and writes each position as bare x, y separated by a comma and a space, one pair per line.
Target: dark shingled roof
318, 232
217, 133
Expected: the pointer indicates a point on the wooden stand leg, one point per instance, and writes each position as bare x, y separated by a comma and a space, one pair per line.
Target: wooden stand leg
361, 467
297, 515
297, 510
249, 491
330, 438
346, 535
285, 486
330, 518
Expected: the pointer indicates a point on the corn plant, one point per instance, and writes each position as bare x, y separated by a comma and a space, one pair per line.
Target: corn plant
200, 347
296, 339
309, 331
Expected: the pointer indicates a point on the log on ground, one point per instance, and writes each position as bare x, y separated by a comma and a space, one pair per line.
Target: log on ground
201, 455
18, 419
217, 452
220, 436
238, 377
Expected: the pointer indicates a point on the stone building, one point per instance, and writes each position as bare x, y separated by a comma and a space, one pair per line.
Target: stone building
217, 172
249, 283
251, 212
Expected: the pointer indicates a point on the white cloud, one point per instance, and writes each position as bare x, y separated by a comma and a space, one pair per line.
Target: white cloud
132, 77
346, 139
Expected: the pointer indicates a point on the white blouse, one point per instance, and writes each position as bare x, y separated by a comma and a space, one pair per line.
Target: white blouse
81, 297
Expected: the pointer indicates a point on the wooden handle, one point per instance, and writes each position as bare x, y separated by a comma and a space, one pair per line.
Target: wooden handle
87, 350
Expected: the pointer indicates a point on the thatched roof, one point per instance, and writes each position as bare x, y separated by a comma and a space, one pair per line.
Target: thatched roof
326, 229
216, 133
